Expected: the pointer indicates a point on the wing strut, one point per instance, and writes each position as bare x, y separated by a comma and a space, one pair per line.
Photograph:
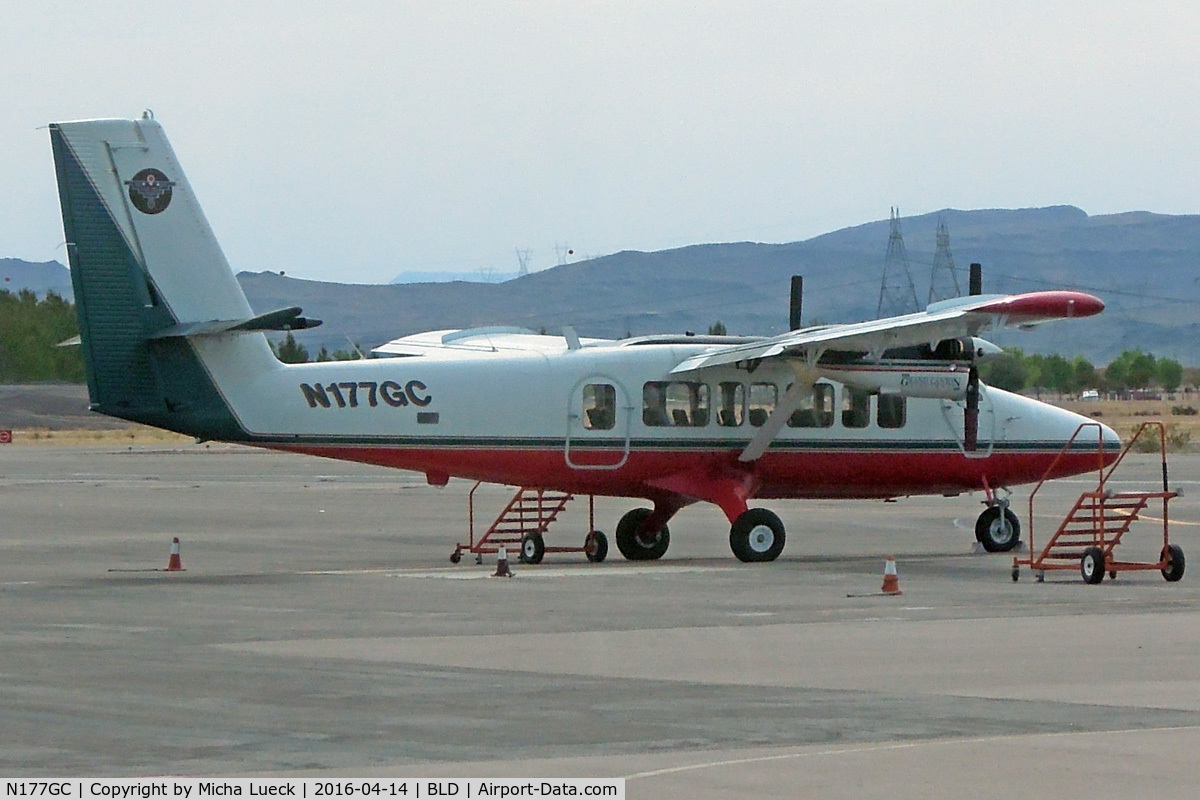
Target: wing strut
806, 376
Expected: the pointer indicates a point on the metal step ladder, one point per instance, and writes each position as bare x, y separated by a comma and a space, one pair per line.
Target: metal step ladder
521, 527
1099, 521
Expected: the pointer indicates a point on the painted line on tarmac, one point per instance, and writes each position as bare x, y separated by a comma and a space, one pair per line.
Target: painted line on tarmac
881, 748
524, 571
562, 572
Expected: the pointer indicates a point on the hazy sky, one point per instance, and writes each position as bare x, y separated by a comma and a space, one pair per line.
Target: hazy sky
350, 141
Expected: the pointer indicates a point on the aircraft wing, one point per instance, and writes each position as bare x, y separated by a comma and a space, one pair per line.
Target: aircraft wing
948, 319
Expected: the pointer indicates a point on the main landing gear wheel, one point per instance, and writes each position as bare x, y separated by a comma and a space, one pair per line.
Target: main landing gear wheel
1091, 566
756, 535
998, 530
638, 546
595, 547
1173, 555
533, 548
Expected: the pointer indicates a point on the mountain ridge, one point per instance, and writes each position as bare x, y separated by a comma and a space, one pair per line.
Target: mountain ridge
1144, 265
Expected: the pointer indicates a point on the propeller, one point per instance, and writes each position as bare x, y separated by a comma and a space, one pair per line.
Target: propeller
971, 414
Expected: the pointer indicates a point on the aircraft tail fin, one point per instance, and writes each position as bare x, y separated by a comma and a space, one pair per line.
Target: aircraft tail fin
143, 261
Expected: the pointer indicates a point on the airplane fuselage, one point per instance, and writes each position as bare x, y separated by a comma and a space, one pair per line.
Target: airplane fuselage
526, 410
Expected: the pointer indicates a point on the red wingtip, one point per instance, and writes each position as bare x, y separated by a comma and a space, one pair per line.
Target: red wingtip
1046, 305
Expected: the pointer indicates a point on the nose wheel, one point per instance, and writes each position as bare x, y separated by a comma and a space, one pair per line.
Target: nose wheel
998, 528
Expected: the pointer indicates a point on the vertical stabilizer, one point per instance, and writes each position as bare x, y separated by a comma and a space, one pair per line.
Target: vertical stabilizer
143, 259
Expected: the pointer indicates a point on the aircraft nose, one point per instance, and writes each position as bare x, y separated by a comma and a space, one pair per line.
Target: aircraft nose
1089, 433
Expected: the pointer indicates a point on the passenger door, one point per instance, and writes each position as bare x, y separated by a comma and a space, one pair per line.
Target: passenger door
599, 419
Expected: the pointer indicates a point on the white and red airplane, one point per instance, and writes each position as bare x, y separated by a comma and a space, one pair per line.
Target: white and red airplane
877, 409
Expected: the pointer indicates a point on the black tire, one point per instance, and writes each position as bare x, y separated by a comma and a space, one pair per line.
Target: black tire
595, 547
637, 546
994, 534
1016, 573
533, 548
1173, 555
757, 535
1091, 566
456, 557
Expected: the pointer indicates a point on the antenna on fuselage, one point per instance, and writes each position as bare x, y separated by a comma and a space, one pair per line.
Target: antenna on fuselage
355, 347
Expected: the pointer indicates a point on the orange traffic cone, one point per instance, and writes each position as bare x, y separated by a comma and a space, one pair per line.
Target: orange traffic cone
891, 582
502, 570
173, 563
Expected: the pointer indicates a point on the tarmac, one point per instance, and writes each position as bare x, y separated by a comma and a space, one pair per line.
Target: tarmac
319, 629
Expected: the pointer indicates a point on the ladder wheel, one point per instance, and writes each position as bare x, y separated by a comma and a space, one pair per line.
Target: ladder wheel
1016, 573
456, 557
533, 548
1173, 555
595, 546
1091, 566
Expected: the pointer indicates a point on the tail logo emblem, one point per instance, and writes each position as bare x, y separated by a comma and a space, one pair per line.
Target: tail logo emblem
150, 191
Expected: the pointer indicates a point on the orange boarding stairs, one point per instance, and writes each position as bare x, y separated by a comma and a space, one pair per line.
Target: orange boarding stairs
522, 525
1100, 519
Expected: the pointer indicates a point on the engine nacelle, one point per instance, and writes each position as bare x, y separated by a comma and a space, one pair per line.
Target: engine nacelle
965, 348
962, 349
947, 382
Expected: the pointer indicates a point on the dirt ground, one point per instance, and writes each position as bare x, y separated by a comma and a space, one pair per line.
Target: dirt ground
57, 413
1126, 416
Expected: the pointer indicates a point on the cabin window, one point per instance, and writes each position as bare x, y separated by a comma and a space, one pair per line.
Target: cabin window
856, 408
675, 404
892, 411
763, 398
732, 405
815, 410
599, 406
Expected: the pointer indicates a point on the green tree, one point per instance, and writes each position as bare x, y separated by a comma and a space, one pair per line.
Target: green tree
1007, 371
30, 330
353, 354
289, 351
1083, 375
1141, 370
1057, 374
717, 329
323, 354
1133, 369
1168, 373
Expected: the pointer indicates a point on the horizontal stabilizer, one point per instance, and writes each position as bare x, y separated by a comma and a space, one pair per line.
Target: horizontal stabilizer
283, 319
